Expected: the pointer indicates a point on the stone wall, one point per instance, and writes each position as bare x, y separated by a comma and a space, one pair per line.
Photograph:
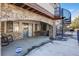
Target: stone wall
16, 13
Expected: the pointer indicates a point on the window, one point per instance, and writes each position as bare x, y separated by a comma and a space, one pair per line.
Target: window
9, 26
2, 27
35, 27
43, 26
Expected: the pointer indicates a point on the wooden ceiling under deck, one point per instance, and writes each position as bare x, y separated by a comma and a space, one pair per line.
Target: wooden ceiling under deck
35, 11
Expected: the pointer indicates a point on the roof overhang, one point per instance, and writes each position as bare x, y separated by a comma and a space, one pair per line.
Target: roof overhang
37, 9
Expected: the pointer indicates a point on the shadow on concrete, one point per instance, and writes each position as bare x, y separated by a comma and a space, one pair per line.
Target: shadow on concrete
34, 47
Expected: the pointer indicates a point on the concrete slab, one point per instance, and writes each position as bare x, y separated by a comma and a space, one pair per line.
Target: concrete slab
25, 44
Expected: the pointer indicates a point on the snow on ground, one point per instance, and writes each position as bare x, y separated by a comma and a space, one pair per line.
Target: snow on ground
58, 48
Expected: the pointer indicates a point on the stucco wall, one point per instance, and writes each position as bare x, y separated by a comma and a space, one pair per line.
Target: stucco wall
48, 6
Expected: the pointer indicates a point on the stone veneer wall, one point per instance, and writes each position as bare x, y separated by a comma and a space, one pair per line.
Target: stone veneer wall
15, 13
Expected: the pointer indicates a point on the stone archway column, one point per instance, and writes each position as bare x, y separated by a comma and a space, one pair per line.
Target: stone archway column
0, 37
30, 30
33, 29
20, 29
52, 31
0, 27
5, 26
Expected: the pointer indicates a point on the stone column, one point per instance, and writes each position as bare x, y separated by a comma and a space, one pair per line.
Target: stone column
0, 37
47, 27
0, 29
38, 27
0, 26
20, 29
15, 30
33, 29
52, 31
13, 27
30, 30
5, 27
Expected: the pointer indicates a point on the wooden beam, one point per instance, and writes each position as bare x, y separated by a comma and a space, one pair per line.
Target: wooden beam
29, 8
33, 10
23, 5
19, 4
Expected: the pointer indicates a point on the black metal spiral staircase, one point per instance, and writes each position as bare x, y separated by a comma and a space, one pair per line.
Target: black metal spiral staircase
66, 19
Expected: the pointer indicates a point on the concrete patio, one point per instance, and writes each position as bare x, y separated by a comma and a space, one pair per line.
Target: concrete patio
25, 44
37, 48
58, 48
